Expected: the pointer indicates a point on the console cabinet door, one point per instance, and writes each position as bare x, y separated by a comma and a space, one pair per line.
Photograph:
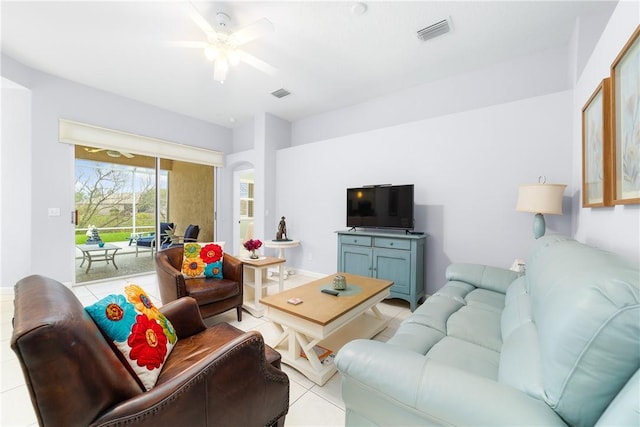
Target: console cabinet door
395, 265
356, 260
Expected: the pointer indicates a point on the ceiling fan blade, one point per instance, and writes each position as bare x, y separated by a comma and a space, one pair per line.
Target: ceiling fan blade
200, 21
189, 44
256, 63
252, 31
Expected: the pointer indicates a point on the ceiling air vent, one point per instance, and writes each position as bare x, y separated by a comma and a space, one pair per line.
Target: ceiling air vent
435, 30
280, 93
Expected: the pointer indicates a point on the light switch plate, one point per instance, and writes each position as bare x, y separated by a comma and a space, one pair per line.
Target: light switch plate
54, 211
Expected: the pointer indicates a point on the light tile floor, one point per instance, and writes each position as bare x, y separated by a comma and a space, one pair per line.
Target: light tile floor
310, 404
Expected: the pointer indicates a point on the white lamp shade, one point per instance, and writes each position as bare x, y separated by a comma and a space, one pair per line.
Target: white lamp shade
541, 198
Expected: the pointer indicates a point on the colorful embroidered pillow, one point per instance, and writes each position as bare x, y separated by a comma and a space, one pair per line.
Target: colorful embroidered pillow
143, 335
202, 260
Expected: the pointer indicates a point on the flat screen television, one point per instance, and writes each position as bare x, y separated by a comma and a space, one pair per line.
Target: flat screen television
380, 206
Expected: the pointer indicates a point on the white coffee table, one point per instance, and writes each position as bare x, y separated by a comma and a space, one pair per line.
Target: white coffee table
325, 320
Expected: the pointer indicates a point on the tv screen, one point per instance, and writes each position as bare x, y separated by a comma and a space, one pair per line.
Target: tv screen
385, 206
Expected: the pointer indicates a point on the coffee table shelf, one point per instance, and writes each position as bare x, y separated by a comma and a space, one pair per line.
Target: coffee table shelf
325, 320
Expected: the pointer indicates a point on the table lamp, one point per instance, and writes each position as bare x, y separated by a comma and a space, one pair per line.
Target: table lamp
540, 199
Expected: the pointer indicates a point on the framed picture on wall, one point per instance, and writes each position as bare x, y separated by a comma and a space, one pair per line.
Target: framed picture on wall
596, 147
625, 85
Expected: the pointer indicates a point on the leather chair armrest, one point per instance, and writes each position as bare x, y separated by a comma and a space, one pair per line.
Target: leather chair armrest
232, 268
232, 386
184, 315
170, 280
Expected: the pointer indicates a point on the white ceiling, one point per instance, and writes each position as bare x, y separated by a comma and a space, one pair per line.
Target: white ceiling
326, 56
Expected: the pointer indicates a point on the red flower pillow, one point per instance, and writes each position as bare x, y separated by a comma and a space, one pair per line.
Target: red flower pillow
202, 260
143, 335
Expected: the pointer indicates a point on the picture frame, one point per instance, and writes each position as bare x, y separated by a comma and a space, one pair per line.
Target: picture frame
625, 93
596, 148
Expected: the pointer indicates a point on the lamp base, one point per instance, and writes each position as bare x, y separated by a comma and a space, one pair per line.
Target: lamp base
538, 226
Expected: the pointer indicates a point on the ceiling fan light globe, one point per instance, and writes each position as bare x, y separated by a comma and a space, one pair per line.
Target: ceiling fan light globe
211, 53
220, 69
234, 58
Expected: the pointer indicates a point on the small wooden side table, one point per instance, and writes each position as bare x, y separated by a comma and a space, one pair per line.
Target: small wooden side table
255, 270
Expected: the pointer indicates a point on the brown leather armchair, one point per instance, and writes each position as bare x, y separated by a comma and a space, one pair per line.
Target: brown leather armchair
217, 376
214, 296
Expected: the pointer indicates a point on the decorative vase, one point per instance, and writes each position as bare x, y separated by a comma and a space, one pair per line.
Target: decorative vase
339, 283
254, 255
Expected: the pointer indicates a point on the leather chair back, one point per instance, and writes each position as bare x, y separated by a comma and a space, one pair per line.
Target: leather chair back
58, 343
214, 296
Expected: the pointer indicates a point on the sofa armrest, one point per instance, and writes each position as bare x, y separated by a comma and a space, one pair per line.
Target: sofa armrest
184, 315
482, 276
215, 391
387, 384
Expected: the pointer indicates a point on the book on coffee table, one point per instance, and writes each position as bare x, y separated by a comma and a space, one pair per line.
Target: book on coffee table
320, 351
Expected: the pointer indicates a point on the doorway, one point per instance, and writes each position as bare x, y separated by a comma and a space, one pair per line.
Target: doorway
244, 183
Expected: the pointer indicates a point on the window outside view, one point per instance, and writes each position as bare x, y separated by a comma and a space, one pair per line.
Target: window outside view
116, 212
118, 200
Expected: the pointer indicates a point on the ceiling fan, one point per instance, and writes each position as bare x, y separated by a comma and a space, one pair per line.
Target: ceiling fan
222, 45
110, 153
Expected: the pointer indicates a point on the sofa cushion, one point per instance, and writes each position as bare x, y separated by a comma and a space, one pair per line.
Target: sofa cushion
476, 325
202, 260
415, 337
486, 300
481, 276
207, 291
455, 290
137, 329
623, 410
466, 356
586, 306
435, 312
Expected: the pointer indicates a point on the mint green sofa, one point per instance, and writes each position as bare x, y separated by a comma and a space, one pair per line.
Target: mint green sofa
559, 345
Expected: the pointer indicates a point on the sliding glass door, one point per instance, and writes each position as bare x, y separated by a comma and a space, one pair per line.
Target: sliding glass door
123, 199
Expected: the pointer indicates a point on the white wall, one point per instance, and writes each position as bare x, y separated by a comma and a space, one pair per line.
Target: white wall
15, 184
52, 163
265, 134
466, 168
612, 228
519, 78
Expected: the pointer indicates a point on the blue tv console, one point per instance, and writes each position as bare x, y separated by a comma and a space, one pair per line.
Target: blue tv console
388, 256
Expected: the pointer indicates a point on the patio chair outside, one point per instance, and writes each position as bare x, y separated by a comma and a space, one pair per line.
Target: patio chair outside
150, 241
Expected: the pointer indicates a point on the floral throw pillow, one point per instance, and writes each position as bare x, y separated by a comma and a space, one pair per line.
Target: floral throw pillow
202, 260
143, 335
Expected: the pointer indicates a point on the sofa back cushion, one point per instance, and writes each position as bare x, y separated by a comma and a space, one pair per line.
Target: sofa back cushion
520, 365
586, 308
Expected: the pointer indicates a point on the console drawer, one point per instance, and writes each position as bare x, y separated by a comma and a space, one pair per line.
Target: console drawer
355, 240
390, 243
